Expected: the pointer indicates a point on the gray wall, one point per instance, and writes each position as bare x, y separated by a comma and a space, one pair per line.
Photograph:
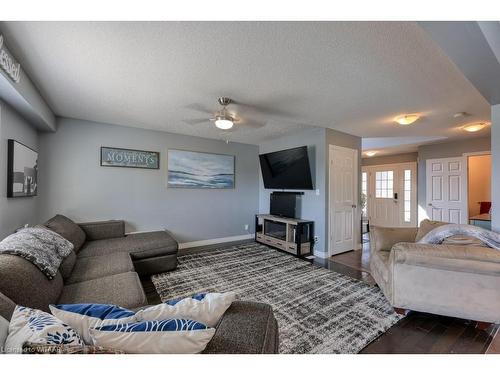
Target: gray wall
334, 137
495, 167
14, 212
73, 183
312, 206
390, 159
445, 150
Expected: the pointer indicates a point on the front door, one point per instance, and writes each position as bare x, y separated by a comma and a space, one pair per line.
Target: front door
343, 196
447, 189
391, 193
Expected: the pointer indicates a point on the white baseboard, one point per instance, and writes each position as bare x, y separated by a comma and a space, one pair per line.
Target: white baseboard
213, 241
320, 254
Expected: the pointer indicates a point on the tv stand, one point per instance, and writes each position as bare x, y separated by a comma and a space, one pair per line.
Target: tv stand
295, 236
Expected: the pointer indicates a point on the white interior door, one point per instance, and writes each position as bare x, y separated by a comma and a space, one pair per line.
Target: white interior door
343, 197
392, 194
447, 189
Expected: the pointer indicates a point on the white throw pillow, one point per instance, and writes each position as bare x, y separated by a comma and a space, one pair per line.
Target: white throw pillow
83, 316
38, 327
173, 336
4, 332
206, 308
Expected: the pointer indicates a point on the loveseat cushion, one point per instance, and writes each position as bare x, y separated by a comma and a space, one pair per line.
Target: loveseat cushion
139, 245
124, 290
26, 285
68, 229
90, 268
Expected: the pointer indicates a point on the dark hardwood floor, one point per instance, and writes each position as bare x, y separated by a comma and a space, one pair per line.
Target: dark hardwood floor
417, 333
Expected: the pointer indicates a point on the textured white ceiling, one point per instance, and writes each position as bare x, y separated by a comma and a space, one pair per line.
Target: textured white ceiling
350, 76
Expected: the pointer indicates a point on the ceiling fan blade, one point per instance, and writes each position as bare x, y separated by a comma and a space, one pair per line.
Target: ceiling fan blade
250, 123
199, 108
196, 121
264, 109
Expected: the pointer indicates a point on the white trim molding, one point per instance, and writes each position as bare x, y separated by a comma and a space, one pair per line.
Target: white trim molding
213, 241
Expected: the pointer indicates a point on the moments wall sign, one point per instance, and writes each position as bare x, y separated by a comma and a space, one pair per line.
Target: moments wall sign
188, 169
12, 68
124, 157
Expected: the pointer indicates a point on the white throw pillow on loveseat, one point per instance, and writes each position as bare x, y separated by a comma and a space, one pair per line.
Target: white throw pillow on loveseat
206, 308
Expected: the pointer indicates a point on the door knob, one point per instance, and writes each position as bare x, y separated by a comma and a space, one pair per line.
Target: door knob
430, 204
353, 206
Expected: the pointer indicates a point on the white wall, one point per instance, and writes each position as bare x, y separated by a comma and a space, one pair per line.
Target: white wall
14, 212
74, 184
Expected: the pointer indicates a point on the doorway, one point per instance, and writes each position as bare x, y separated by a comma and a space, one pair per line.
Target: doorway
343, 199
389, 193
479, 189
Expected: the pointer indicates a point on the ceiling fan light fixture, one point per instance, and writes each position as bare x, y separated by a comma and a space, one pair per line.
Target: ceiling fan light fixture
370, 153
407, 119
224, 123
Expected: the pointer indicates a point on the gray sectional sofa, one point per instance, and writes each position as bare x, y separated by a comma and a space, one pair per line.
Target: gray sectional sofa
105, 267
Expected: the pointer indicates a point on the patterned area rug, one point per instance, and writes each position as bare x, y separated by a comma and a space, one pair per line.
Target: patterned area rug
318, 311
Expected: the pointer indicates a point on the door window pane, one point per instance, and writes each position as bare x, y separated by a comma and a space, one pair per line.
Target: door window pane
384, 183
407, 196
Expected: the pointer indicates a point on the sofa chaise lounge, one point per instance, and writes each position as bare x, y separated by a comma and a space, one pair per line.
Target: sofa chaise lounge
105, 267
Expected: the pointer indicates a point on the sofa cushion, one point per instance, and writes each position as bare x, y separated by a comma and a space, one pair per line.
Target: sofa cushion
100, 230
426, 226
7, 306
124, 290
90, 268
139, 245
26, 285
246, 328
68, 229
67, 265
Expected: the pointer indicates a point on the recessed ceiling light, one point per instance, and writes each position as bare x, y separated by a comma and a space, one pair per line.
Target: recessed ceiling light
407, 119
475, 127
370, 153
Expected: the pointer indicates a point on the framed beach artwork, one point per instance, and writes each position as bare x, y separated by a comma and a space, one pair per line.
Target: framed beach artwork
199, 170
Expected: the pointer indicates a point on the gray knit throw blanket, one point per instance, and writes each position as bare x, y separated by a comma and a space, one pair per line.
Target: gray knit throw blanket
439, 234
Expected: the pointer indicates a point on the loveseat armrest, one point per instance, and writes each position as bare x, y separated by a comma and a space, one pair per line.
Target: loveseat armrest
245, 328
471, 259
102, 230
382, 238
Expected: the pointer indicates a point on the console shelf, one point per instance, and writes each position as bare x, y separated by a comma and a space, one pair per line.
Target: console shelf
295, 236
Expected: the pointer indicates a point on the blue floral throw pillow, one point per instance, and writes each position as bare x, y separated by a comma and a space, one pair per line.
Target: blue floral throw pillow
38, 327
172, 336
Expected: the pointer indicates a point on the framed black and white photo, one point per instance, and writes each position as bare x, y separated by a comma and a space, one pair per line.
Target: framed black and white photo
22, 170
128, 158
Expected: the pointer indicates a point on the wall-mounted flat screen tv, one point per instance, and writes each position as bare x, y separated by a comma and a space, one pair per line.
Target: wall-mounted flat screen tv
286, 169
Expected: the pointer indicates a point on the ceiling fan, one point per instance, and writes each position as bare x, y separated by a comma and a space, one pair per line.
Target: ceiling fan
223, 119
